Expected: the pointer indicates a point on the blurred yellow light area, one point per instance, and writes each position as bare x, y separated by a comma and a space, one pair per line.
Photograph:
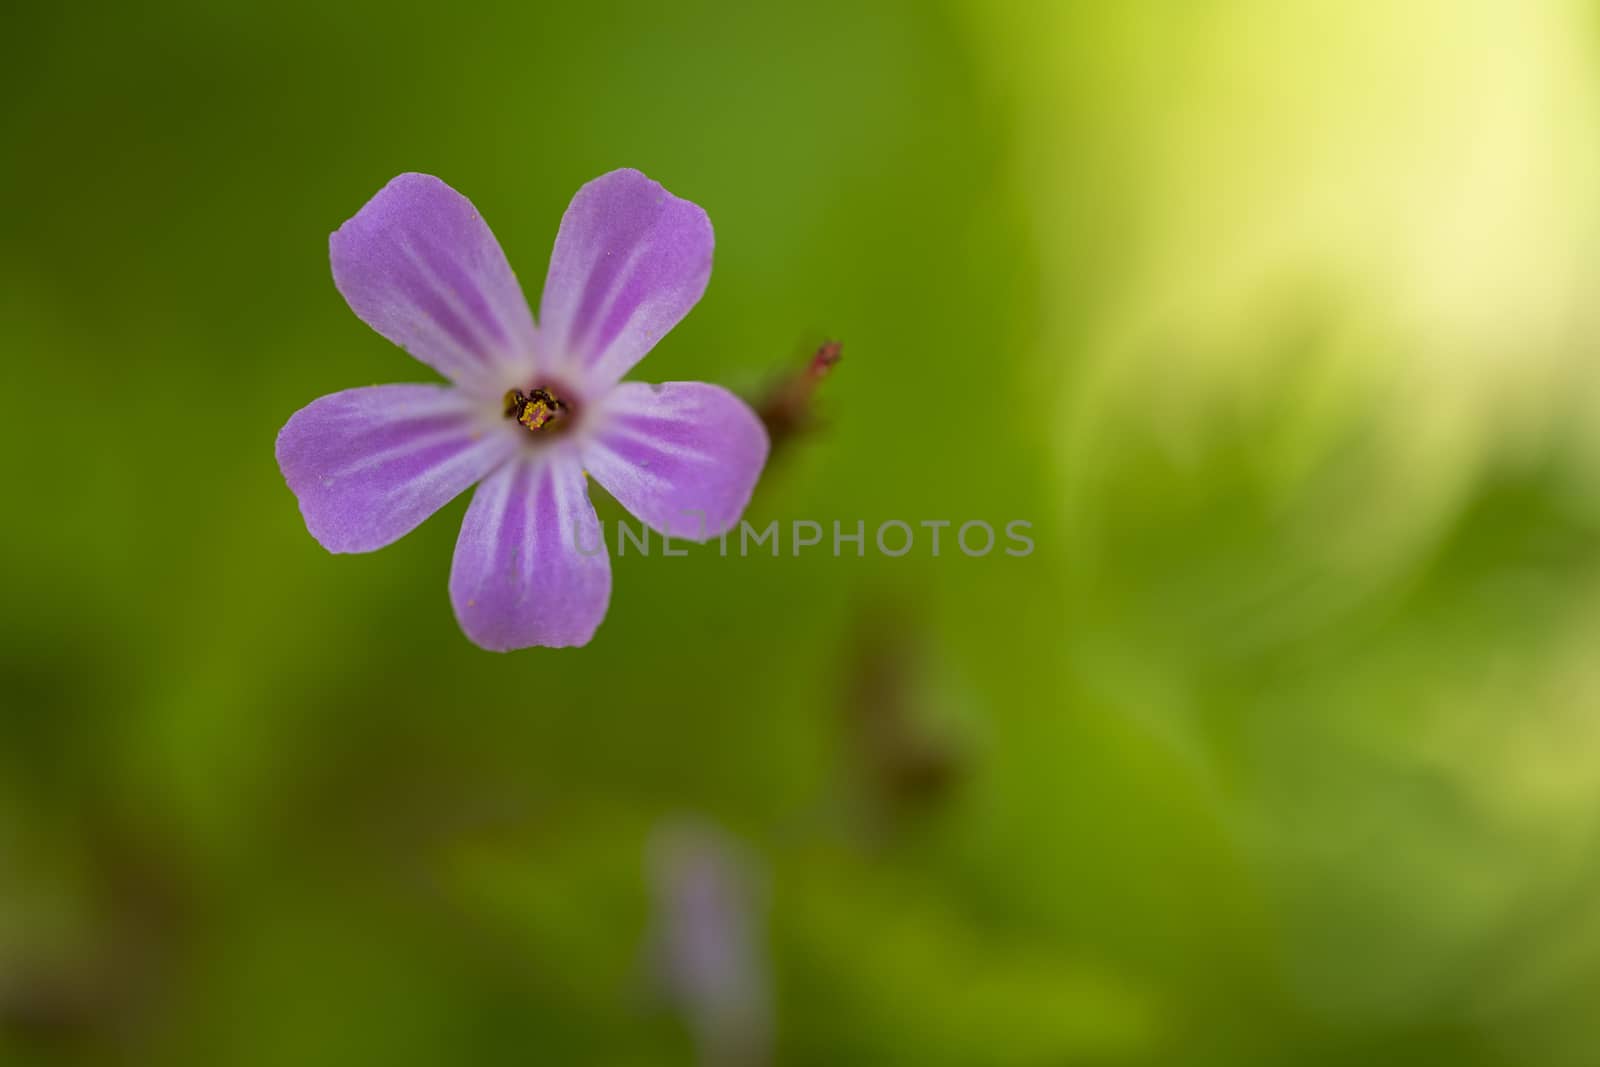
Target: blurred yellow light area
1428, 166
1412, 184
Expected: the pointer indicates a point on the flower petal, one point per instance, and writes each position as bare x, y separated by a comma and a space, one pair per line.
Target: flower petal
419, 265
531, 566
368, 465
630, 261
668, 451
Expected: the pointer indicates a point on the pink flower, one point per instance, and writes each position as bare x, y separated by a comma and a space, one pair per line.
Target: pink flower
530, 410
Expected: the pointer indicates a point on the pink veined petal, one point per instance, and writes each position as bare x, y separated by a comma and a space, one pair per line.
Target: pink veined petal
368, 465
531, 566
683, 457
419, 265
629, 262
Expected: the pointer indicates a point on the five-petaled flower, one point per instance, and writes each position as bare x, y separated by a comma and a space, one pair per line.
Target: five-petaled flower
531, 411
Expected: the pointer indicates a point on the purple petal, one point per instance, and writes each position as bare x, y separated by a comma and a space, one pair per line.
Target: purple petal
531, 566
630, 261
669, 451
710, 912
370, 464
419, 265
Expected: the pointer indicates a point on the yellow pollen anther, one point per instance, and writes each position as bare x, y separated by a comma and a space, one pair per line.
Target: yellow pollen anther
535, 414
535, 410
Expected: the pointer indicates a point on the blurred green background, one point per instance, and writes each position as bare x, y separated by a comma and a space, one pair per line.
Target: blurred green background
1277, 320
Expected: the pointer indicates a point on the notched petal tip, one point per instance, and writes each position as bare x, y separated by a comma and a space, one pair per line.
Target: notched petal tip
501, 646
406, 186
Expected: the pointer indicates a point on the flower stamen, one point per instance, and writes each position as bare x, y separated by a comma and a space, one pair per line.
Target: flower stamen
538, 409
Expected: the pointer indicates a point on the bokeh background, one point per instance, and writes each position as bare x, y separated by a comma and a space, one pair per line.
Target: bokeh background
1277, 320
